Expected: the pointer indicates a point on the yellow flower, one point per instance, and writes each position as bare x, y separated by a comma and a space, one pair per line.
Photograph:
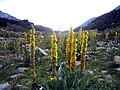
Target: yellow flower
54, 56
32, 53
71, 48
83, 50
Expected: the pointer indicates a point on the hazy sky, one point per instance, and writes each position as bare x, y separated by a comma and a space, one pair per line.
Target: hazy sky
57, 13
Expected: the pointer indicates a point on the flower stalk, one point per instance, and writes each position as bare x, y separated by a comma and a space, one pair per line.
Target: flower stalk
54, 56
32, 53
71, 49
83, 50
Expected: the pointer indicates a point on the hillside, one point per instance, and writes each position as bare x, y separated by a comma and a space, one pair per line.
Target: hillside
88, 21
11, 23
107, 20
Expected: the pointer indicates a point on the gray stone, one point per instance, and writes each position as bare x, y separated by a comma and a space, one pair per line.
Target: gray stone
5, 86
21, 70
16, 76
117, 59
88, 58
98, 48
109, 79
110, 49
104, 71
1, 65
43, 52
77, 63
118, 69
47, 50
100, 79
101, 43
90, 72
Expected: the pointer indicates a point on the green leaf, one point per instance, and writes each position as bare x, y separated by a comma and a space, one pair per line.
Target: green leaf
84, 83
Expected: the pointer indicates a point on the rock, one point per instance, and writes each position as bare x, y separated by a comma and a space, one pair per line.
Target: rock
109, 79
1, 65
21, 70
43, 52
117, 59
110, 49
90, 72
12, 64
16, 76
5, 86
47, 50
104, 71
101, 43
98, 48
100, 79
88, 58
77, 63
118, 69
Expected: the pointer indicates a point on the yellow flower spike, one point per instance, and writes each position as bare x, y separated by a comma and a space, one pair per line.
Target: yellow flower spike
25, 39
40, 39
80, 35
32, 53
18, 46
54, 56
106, 35
71, 48
83, 50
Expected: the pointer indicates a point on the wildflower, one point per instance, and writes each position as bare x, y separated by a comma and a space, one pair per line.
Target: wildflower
83, 50
54, 56
40, 39
25, 39
106, 35
18, 47
32, 53
80, 35
71, 48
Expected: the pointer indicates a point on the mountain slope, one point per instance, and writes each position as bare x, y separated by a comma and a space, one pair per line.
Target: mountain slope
107, 20
88, 21
7, 16
11, 23
117, 8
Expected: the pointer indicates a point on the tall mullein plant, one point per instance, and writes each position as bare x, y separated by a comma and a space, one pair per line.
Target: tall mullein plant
54, 56
40, 39
79, 39
18, 47
84, 50
32, 53
25, 39
68, 49
71, 49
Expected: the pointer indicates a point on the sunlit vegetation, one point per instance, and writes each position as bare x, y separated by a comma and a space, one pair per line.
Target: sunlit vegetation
84, 60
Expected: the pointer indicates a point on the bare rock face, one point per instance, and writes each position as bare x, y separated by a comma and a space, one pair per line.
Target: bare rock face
5, 86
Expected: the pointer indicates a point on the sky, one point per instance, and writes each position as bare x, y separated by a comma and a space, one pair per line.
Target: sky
57, 14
